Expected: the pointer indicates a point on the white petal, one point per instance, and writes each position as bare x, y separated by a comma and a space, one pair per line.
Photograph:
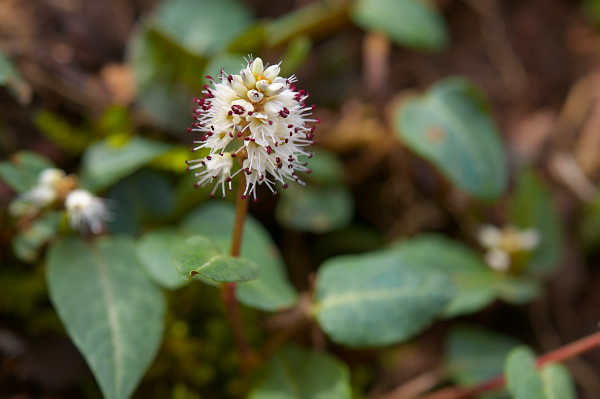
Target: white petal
262, 85
248, 78
257, 66
529, 239
255, 95
272, 72
489, 236
498, 260
274, 89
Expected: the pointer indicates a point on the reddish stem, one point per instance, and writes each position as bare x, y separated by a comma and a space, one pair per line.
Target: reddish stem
229, 290
556, 356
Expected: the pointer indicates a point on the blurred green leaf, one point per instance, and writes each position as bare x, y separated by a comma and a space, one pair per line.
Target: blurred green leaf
451, 127
531, 206
66, 136
296, 373
377, 299
518, 289
28, 243
12, 79
475, 355
230, 63
200, 255
411, 23
110, 309
143, 196
522, 378
106, 162
475, 281
326, 168
315, 209
296, 53
167, 77
22, 172
203, 27
251, 40
314, 20
155, 250
558, 382
524, 381
592, 8
271, 291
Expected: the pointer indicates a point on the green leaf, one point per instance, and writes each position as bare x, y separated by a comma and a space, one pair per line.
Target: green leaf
296, 373
522, 378
377, 299
155, 251
203, 27
518, 289
143, 196
314, 209
476, 283
451, 127
412, 23
106, 162
110, 309
475, 355
326, 168
28, 243
296, 53
271, 291
531, 207
199, 255
21, 174
558, 382
167, 77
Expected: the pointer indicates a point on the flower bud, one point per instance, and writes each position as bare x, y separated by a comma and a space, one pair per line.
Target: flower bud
257, 66
255, 95
274, 89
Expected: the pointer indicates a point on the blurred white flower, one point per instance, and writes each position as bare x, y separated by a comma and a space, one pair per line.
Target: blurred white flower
86, 212
259, 116
503, 244
43, 194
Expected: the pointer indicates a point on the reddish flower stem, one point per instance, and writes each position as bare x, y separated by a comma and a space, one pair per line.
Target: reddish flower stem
229, 290
556, 356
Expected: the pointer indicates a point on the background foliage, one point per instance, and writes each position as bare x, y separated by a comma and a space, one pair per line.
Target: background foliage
437, 117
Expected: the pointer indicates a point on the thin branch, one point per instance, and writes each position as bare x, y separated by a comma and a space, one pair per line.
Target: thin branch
557, 356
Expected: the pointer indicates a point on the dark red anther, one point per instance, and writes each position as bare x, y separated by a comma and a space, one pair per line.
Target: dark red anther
239, 134
270, 122
209, 77
269, 150
209, 157
230, 78
290, 126
230, 113
250, 112
285, 185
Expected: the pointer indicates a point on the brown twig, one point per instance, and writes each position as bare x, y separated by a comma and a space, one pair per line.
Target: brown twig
559, 355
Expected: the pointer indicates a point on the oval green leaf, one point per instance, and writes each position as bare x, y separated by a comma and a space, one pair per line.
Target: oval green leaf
296, 373
558, 382
155, 250
21, 174
411, 23
451, 127
272, 290
531, 206
106, 162
377, 299
315, 209
522, 378
202, 27
475, 355
109, 307
476, 283
200, 255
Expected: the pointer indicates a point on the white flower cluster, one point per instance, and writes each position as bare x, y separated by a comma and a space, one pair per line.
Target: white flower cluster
85, 211
503, 244
258, 116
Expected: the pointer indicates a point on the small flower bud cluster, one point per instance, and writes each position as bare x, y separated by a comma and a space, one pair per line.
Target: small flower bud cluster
503, 244
258, 116
85, 211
